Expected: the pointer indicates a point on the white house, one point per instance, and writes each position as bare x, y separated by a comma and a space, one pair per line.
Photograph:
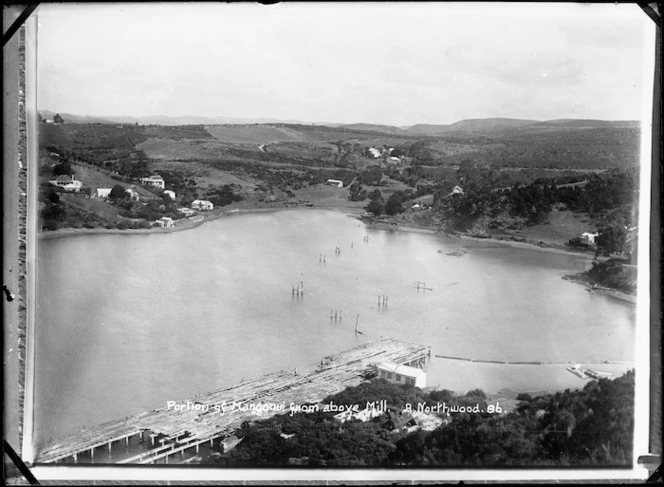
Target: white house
102, 192
155, 180
187, 212
68, 183
335, 182
164, 222
375, 152
589, 238
133, 194
457, 190
202, 205
393, 160
170, 193
402, 374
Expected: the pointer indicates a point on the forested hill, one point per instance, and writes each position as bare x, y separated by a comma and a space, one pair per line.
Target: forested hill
592, 426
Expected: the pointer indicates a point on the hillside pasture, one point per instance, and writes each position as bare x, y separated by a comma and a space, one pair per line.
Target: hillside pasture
254, 134
92, 177
206, 174
96, 206
178, 132
559, 227
311, 153
182, 149
326, 196
548, 147
89, 136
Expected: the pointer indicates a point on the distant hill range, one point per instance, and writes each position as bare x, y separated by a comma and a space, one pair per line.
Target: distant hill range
480, 125
166, 120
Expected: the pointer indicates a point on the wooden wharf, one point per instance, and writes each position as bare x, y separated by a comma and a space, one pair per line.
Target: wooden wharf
167, 433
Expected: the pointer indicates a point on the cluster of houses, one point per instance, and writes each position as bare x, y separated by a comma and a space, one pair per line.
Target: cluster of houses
134, 195
70, 183
396, 420
385, 153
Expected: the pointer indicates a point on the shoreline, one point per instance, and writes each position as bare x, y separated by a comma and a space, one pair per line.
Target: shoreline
604, 291
371, 222
517, 242
355, 212
187, 225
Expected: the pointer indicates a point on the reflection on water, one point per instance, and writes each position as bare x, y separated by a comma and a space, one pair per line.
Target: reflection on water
128, 322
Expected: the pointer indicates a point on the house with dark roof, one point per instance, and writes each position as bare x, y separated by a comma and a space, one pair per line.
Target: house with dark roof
397, 420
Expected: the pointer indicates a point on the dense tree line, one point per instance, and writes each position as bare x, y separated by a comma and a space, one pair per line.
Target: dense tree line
613, 194
592, 426
613, 274
223, 196
394, 204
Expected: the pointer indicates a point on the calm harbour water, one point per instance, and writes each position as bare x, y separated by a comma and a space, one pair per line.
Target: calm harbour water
128, 322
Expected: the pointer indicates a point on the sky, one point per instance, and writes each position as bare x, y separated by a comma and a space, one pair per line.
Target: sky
388, 63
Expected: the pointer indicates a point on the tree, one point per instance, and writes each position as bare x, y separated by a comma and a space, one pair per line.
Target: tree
54, 197
357, 193
54, 212
188, 196
370, 176
393, 205
376, 207
58, 119
375, 195
117, 192
400, 150
611, 239
64, 168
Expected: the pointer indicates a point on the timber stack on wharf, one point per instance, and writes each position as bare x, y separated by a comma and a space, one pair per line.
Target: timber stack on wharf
170, 434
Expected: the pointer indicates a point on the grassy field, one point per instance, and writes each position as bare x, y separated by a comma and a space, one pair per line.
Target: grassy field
559, 227
255, 134
183, 149
207, 174
93, 205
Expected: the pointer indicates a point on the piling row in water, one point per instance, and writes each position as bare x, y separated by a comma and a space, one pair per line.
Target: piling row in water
423, 286
532, 362
298, 292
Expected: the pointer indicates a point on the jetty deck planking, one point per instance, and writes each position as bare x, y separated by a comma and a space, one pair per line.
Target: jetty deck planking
184, 429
